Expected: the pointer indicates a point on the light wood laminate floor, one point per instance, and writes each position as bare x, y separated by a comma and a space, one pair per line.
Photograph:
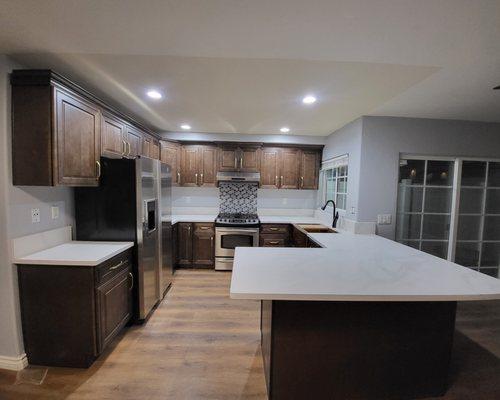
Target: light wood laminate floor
199, 344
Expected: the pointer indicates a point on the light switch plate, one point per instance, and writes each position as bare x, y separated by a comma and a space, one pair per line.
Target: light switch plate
55, 212
384, 219
35, 215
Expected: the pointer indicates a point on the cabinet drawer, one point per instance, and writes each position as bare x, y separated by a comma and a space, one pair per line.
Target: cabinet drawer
274, 228
272, 241
108, 269
207, 227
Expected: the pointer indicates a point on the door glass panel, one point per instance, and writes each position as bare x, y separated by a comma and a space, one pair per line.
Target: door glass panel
489, 271
490, 256
471, 201
436, 227
410, 198
412, 243
340, 202
230, 241
437, 200
493, 201
469, 227
473, 173
408, 226
411, 171
467, 254
438, 249
491, 228
440, 173
494, 174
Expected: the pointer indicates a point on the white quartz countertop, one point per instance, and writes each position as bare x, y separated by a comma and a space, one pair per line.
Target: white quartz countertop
354, 268
265, 219
81, 253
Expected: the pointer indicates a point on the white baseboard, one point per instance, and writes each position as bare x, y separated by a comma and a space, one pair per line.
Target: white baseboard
14, 363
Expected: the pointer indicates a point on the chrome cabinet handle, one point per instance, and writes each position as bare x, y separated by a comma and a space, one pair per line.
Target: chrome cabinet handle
124, 148
235, 162
196, 177
241, 162
98, 167
273, 242
276, 181
281, 181
201, 178
274, 229
205, 227
117, 265
129, 151
301, 182
132, 281
178, 177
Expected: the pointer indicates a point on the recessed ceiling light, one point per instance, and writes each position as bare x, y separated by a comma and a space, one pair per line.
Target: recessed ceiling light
285, 129
154, 94
186, 127
309, 99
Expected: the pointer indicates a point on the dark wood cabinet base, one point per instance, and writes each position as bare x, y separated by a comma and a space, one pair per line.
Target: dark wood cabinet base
356, 350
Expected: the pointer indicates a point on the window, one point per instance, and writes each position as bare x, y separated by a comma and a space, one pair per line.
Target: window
335, 181
461, 225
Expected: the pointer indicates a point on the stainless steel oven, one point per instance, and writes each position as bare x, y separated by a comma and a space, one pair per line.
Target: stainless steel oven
227, 239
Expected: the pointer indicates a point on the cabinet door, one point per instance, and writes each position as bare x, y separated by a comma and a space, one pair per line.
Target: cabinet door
78, 138
113, 306
289, 168
184, 243
170, 155
249, 158
309, 169
228, 158
155, 149
112, 137
207, 165
269, 169
147, 145
134, 142
189, 165
203, 245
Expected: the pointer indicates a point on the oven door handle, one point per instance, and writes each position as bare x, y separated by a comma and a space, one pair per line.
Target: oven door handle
233, 231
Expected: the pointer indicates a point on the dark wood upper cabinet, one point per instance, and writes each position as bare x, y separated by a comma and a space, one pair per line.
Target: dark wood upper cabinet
65, 129
155, 149
198, 165
134, 142
269, 167
289, 168
113, 137
77, 136
309, 169
207, 165
239, 158
170, 153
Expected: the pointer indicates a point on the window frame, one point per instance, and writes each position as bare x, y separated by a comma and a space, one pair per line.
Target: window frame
336, 163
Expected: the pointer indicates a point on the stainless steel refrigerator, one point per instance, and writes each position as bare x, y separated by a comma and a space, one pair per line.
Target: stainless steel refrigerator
165, 194
126, 207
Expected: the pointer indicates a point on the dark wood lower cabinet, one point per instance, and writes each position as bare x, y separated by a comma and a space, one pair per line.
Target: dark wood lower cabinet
194, 244
356, 350
71, 313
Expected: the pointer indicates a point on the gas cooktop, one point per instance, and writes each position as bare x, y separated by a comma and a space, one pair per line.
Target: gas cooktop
237, 219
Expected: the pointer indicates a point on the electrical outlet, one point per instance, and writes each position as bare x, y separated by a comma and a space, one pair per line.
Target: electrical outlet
35, 215
55, 212
384, 219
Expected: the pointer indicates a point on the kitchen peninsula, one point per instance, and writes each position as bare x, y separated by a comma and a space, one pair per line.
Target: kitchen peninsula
363, 317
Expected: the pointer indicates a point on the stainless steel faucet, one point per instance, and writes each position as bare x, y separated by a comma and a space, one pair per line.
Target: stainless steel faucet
335, 212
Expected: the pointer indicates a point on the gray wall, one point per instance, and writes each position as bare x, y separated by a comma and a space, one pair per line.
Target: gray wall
15, 220
348, 140
220, 137
384, 138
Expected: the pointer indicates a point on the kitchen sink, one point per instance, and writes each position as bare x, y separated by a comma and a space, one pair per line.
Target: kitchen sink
317, 228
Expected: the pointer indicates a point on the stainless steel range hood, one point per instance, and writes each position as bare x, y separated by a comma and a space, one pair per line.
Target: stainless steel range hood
250, 177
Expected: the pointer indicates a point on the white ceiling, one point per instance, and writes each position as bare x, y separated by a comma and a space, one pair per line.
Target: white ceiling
242, 66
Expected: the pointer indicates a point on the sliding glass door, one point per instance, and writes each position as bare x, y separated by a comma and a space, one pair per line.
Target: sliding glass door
451, 208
